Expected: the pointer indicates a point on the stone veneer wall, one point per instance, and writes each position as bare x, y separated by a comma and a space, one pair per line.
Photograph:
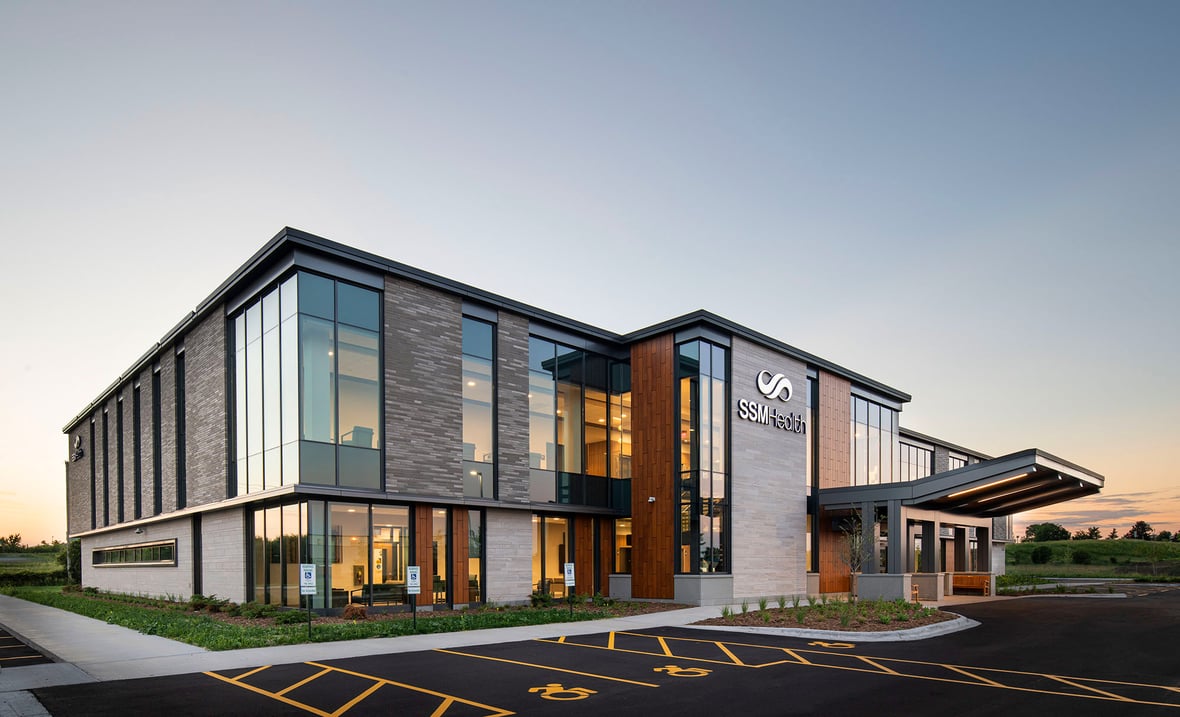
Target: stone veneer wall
768, 480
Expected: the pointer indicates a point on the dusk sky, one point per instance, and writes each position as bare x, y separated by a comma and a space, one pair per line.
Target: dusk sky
975, 203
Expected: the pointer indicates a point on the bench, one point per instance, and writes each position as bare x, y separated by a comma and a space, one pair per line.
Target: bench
971, 582
386, 593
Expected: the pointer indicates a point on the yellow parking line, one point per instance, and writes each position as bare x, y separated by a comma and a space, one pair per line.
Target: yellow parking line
798, 657
280, 698
726, 650
610, 641
1092, 689
880, 667
302, 682
984, 680
547, 667
361, 697
664, 646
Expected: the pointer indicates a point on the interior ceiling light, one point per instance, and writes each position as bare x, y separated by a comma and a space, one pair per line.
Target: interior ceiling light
976, 489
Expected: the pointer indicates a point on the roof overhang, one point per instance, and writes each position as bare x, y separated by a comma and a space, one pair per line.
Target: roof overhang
1002, 486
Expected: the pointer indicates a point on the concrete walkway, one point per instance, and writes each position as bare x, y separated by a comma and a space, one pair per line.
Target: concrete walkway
89, 650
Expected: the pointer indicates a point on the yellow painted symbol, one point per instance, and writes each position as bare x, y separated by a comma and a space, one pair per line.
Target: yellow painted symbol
840, 645
676, 671
555, 691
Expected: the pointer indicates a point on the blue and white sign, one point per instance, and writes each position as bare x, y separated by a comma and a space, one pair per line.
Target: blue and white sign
307, 579
569, 575
413, 580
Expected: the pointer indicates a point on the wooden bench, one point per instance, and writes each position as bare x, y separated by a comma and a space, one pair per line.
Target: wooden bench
971, 582
385, 593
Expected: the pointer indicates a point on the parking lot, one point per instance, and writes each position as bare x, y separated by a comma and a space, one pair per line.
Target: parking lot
15, 652
1050, 655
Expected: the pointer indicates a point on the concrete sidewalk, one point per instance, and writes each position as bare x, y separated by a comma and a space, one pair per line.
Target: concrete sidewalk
89, 650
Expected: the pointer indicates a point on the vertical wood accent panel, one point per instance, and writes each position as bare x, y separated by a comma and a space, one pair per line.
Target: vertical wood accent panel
584, 554
834, 576
835, 438
459, 525
606, 553
653, 424
423, 540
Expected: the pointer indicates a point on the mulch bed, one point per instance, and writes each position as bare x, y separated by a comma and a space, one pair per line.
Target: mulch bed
776, 617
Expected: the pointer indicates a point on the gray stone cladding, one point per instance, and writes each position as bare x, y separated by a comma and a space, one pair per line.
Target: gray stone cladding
205, 411
767, 479
509, 555
512, 408
154, 580
146, 447
223, 551
423, 391
78, 480
168, 431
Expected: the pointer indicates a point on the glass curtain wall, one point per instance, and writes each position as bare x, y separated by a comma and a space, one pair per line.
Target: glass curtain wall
579, 426
479, 392
307, 392
873, 455
916, 462
475, 538
703, 535
278, 539
551, 550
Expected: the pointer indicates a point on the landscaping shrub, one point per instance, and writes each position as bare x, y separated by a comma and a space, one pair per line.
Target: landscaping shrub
1081, 557
1041, 554
541, 599
352, 611
290, 617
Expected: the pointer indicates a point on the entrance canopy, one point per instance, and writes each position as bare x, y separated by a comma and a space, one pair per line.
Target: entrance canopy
1009, 484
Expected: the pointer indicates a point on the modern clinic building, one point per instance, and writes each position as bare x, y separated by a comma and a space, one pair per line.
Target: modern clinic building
328, 406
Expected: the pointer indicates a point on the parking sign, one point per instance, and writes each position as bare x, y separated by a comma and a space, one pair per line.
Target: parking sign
307, 579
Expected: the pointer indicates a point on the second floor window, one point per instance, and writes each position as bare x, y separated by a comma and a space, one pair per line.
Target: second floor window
479, 409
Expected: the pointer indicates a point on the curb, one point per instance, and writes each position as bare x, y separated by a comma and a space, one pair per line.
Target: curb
924, 632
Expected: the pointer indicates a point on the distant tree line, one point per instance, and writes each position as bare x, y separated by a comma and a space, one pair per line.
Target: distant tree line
1141, 530
15, 544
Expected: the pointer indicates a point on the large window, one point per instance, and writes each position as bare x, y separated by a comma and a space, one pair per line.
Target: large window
579, 426
874, 437
479, 409
703, 535
307, 386
552, 548
155, 554
916, 461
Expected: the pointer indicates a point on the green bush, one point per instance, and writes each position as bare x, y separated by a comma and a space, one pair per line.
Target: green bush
1081, 557
1041, 554
541, 599
290, 617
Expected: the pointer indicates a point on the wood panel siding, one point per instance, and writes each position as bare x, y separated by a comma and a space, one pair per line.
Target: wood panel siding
423, 543
584, 555
834, 574
459, 527
835, 438
653, 425
606, 553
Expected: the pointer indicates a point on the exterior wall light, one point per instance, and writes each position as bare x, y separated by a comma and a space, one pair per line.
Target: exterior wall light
651, 499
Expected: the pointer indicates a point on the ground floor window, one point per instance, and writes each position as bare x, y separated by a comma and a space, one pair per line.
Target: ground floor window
159, 553
552, 548
362, 552
622, 545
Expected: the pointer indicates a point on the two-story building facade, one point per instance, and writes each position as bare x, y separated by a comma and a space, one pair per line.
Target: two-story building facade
327, 406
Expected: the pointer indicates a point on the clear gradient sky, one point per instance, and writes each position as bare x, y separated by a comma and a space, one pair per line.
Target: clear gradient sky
975, 203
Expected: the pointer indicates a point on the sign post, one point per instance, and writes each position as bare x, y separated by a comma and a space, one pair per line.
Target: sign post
569, 583
413, 588
307, 587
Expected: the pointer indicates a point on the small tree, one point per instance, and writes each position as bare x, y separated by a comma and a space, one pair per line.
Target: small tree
1114, 534
854, 550
1141, 530
1080, 534
1040, 532
1093, 533
70, 558
1164, 536
1041, 554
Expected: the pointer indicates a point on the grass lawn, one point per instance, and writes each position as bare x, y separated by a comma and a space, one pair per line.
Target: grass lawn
1095, 559
217, 630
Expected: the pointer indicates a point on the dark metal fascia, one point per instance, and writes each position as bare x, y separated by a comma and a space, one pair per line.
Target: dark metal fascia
903, 432
736, 329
